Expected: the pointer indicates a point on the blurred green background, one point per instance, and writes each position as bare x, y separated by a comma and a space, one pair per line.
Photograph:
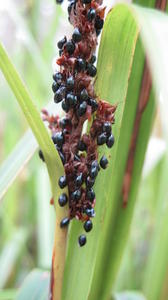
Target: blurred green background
30, 31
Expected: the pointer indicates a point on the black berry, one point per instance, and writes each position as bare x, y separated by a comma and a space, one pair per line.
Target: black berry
90, 212
93, 59
91, 14
84, 95
71, 100
90, 194
64, 122
62, 182
41, 155
101, 139
82, 146
82, 109
93, 103
76, 157
79, 180
90, 182
104, 162
64, 222
99, 23
70, 83
88, 225
65, 106
55, 86
82, 240
80, 64
93, 172
61, 43
70, 47
110, 141
62, 200
107, 127
91, 70
58, 139
57, 77
76, 36
59, 95
98, 31
76, 195
95, 164
70, 6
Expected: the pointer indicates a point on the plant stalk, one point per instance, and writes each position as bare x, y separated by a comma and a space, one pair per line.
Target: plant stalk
58, 260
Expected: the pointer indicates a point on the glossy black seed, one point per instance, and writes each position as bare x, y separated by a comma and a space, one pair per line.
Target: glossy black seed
82, 109
79, 180
101, 139
88, 225
99, 23
71, 100
70, 6
58, 77
62, 182
107, 127
98, 31
70, 47
62, 200
76, 36
91, 14
90, 182
90, 212
93, 172
110, 141
59, 95
41, 155
104, 162
93, 59
95, 164
91, 70
90, 194
59, 1
70, 83
82, 240
55, 86
94, 105
84, 95
64, 122
58, 139
62, 157
61, 43
60, 52
76, 195
65, 106
86, 1
80, 64
76, 157
64, 222
82, 146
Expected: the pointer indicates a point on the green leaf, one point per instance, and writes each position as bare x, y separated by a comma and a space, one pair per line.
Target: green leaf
7, 294
129, 295
35, 286
10, 254
16, 161
114, 67
112, 223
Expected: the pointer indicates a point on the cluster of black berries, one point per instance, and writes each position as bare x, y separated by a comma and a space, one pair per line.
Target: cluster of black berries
73, 87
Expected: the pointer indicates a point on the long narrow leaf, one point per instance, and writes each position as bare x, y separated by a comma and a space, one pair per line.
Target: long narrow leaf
16, 161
